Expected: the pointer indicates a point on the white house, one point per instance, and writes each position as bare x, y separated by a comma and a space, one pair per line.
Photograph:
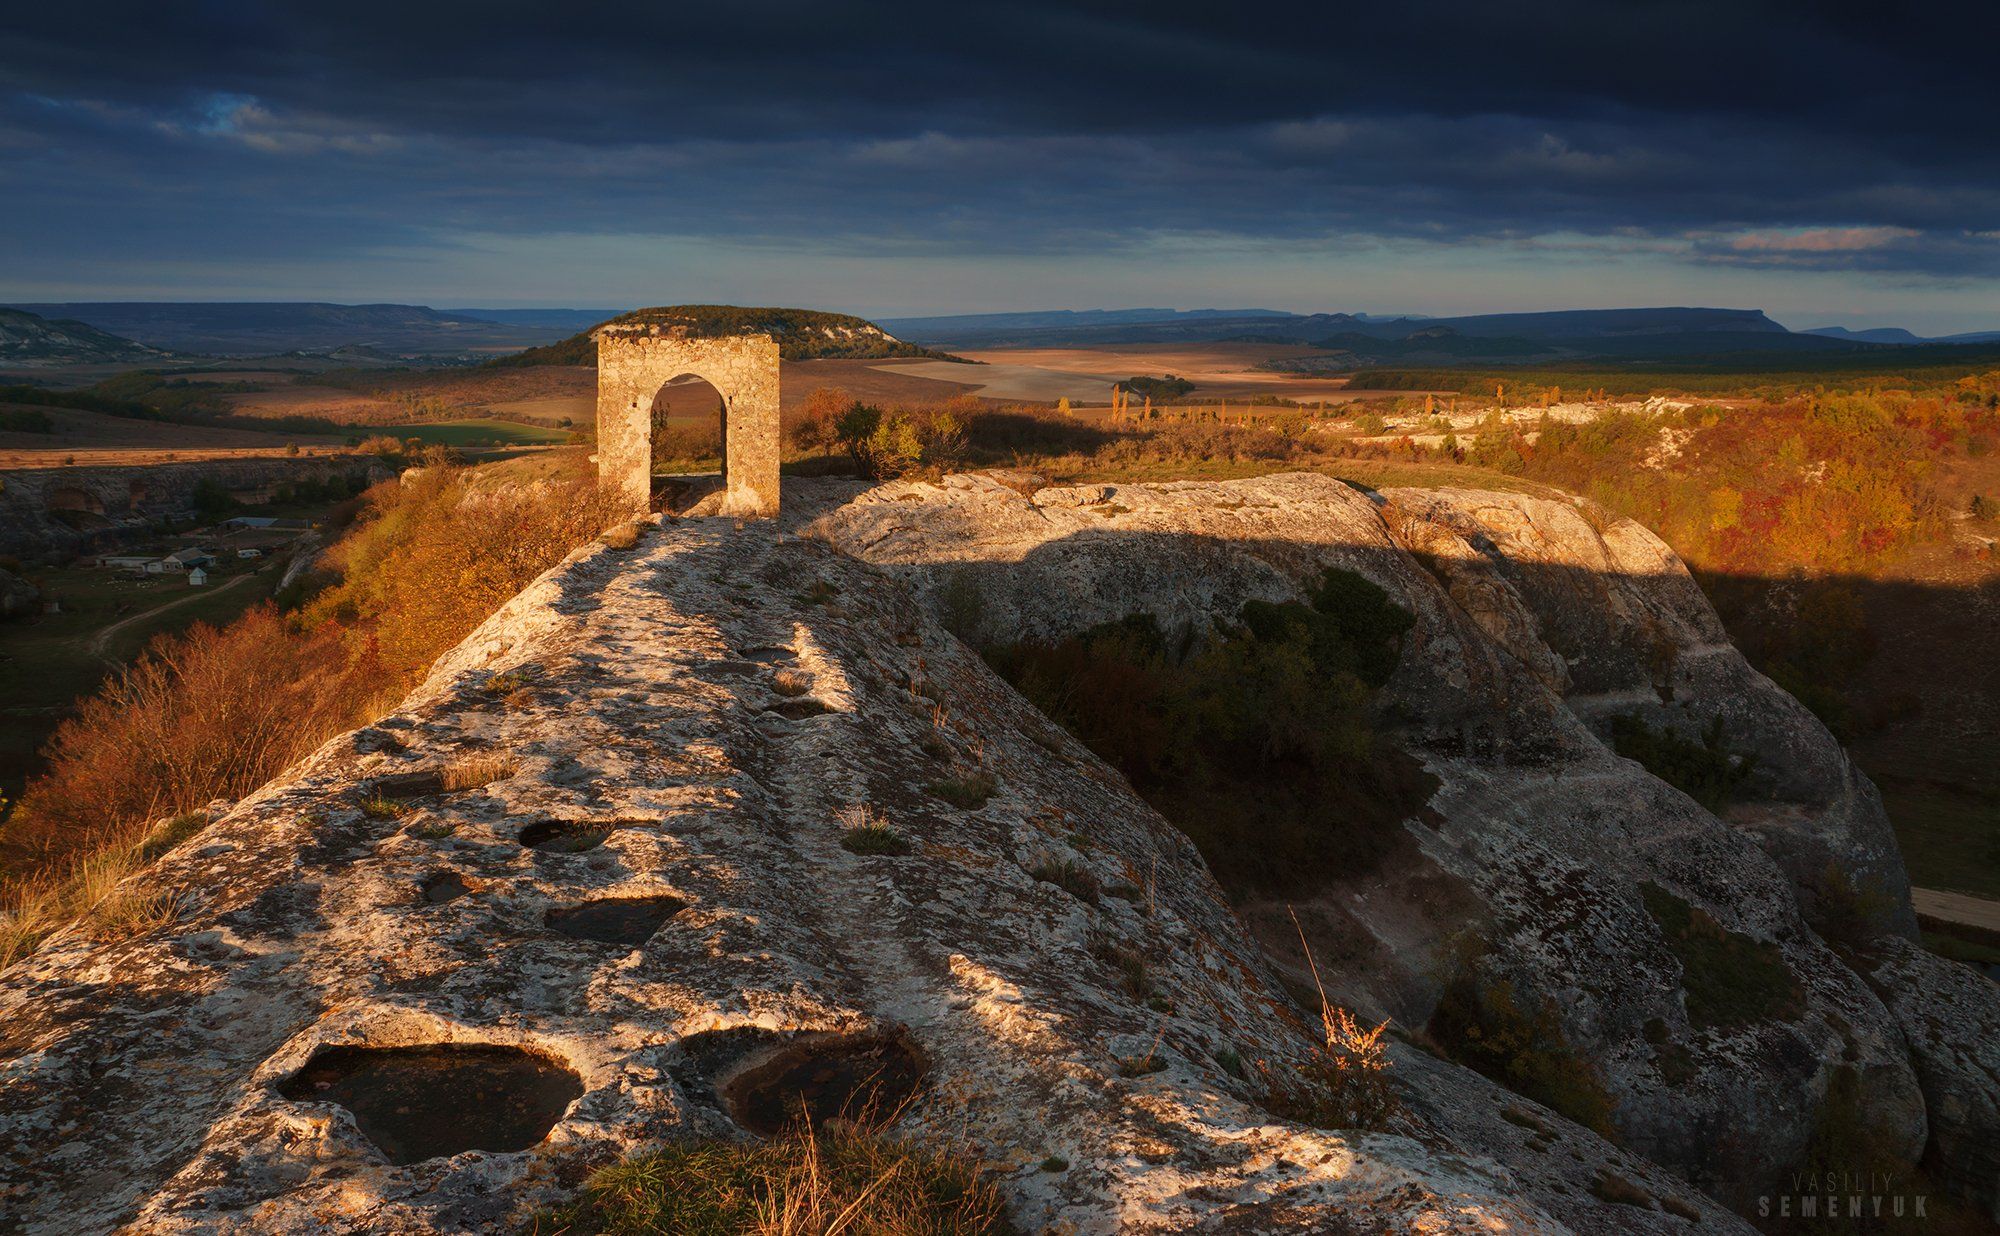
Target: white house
197, 577
183, 559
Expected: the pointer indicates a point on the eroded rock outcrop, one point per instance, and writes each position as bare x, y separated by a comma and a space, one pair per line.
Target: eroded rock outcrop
688, 730
1556, 876
384, 1004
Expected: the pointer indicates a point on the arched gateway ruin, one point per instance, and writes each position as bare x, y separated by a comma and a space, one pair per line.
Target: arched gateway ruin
636, 359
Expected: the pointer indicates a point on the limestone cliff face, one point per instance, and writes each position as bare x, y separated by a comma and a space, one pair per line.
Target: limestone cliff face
637, 912
1537, 621
649, 762
52, 515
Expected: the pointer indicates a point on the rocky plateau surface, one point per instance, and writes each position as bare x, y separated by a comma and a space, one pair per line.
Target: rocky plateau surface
585, 890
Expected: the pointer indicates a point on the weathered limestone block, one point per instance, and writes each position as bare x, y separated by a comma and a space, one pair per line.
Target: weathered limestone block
635, 360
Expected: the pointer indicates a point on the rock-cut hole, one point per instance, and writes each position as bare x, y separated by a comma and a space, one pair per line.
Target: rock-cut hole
408, 785
865, 1078
799, 709
417, 1103
564, 836
615, 920
443, 886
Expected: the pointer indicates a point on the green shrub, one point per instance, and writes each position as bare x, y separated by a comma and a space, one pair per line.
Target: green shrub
1729, 979
1705, 771
889, 444
1162, 389
1482, 1025
1261, 745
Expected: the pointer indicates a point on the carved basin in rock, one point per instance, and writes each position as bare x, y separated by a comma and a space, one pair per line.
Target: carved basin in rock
442, 886
565, 836
408, 785
615, 920
427, 1102
799, 709
864, 1078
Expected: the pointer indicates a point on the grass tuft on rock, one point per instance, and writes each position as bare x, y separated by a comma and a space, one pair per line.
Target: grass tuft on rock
874, 839
1070, 876
967, 793
803, 1184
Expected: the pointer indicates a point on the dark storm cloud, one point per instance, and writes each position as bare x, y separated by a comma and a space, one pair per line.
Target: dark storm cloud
1815, 136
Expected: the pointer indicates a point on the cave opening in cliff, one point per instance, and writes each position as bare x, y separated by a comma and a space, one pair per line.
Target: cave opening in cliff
864, 1079
615, 920
436, 1100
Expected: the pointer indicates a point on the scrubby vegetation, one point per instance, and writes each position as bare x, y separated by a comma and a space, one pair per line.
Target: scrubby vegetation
1480, 1022
832, 1183
1345, 1083
1729, 979
1705, 771
1260, 744
890, 444
216, 712
1169, 387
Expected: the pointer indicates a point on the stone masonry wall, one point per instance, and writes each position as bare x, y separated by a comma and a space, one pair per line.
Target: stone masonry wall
633, 363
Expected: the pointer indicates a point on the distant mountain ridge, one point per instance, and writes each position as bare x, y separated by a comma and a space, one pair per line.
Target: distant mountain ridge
258, 328
31, 339
1896, 334
553, 319
1558, 328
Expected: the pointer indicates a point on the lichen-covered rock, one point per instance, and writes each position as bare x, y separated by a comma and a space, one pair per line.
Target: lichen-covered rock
1950, 1015
691, 727
1552, 872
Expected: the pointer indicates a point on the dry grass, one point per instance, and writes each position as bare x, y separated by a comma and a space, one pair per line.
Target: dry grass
1347, 1080
472, 771
865, 831
624, 536
968, 793
94, 890
791, 682
836, 1183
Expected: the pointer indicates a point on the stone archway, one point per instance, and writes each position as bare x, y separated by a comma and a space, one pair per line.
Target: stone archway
635, 360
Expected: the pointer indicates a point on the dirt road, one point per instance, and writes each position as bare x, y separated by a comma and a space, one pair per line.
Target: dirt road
102, 639
1957, 908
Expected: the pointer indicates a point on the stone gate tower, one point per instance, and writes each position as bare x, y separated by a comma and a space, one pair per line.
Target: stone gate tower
635, 359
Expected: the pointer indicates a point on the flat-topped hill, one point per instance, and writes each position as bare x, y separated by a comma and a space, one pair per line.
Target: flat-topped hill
802, 334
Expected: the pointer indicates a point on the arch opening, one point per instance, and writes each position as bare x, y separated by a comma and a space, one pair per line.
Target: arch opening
689, 427
649, 376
